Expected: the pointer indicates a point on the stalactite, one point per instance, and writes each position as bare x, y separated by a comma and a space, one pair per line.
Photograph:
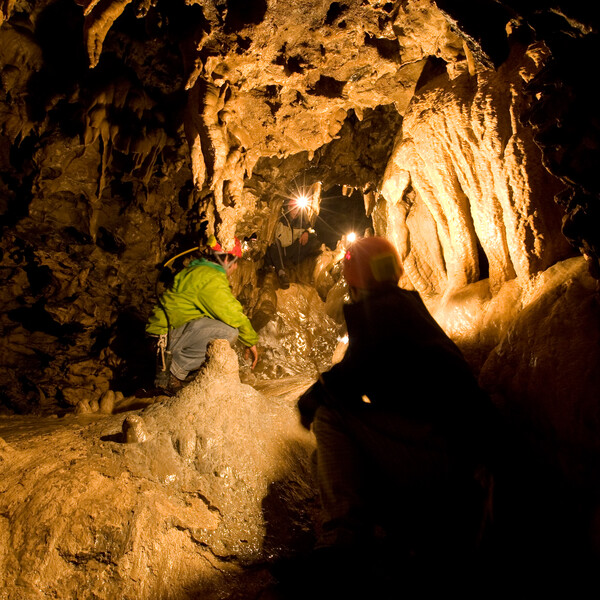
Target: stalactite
99, 18
6, 8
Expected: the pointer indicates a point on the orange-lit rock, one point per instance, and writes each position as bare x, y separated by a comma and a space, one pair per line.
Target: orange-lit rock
132, 129
174, 508
466, 173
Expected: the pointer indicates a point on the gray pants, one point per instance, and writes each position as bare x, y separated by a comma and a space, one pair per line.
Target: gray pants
189, 342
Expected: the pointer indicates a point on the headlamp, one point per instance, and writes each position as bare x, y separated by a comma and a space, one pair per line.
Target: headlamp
302, 202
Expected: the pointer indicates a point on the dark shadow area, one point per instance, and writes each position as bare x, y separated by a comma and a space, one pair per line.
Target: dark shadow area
387, 49
538, 541
17, 189
328, 87
482, 22
290, 528
36, 318
131, 344
424, 547
58, 32
517, 530
244, 12
483, 262
117, 438
335, 10
290, 64
291, 506
434, 67
341, 215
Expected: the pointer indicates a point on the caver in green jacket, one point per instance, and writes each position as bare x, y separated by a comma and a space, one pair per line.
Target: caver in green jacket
201, 290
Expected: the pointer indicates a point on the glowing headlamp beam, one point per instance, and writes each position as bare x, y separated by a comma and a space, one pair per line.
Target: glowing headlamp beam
302, 202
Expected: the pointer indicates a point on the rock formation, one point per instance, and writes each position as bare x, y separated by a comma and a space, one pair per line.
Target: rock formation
90, 504
133, 129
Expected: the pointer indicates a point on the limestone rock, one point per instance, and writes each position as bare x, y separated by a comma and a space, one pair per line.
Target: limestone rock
107, 402
134, 430
289, 350
222, 481
545, 372
466, 175
83, 407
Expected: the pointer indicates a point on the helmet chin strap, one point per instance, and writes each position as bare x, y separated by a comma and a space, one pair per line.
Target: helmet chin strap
225, 260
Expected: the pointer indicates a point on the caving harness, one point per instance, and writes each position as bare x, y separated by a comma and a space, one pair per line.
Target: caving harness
163, 360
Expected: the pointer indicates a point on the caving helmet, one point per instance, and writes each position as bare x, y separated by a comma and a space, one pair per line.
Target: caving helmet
372, 263
222, 255
216, 249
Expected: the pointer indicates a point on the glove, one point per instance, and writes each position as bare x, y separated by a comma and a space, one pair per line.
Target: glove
307, 406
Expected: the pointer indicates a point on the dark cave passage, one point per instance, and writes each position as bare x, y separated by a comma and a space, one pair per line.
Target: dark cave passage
341, 215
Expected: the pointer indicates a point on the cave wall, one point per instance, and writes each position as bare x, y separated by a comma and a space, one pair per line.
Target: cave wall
470, 171
130, 130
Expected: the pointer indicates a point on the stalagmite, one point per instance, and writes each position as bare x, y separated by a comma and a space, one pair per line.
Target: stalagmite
107, 402
134, 430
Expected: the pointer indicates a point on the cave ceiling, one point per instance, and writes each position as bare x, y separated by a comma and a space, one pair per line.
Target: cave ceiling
244, 81
132, 128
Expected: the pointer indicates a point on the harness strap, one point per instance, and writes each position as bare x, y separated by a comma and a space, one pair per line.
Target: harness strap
163, 340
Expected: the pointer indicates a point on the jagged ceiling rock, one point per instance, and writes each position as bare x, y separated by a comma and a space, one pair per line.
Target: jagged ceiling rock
277, 79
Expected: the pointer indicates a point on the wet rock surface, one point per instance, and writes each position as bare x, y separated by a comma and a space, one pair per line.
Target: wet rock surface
218, 482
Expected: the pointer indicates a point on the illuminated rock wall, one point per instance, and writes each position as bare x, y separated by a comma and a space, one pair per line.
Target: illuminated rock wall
466, 195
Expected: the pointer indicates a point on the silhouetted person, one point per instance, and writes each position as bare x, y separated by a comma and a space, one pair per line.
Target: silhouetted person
398, 426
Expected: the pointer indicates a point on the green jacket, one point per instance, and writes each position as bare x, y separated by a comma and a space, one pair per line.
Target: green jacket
201, 290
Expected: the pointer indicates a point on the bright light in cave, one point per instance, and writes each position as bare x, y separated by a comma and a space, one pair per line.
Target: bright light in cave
342, 217
301, 202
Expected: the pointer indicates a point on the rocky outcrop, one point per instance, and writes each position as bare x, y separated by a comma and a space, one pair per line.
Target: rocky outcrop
465, 194
170, 501
549, 383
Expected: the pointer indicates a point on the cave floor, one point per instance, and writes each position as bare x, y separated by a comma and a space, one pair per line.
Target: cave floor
78, 443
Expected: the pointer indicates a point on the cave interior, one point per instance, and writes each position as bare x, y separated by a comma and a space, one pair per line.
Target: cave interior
463, 132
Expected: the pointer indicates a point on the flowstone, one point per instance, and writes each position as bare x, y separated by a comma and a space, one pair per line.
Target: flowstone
221, 483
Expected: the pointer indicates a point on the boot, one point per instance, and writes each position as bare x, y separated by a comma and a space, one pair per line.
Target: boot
175, 385
284, 282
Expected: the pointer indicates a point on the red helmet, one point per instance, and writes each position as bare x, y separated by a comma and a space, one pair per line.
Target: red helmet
372, 263
218, 249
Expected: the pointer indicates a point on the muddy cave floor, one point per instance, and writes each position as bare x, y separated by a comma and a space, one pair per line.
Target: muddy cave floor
537, 555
